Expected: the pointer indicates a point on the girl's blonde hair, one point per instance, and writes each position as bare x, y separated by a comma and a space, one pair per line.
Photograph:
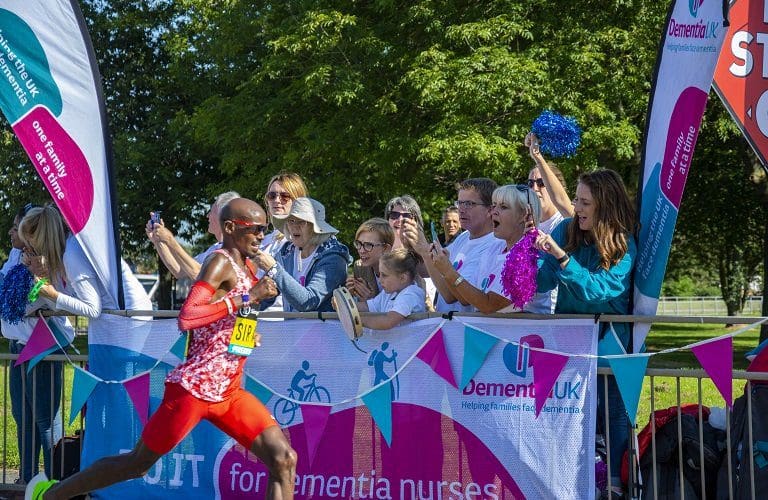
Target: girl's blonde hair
43, 231
401, 261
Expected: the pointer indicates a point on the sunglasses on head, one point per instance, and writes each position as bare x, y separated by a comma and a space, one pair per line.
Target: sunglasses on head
248, 226
535, 182
284, 197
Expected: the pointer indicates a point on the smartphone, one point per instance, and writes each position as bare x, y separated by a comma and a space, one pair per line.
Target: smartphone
434, 231
155, 217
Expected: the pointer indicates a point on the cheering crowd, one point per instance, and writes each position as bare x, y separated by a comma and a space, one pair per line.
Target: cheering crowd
586, 252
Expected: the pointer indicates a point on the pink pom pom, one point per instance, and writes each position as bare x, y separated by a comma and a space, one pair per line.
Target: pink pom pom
518, 278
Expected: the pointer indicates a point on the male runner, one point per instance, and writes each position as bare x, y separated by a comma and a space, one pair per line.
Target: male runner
207, 384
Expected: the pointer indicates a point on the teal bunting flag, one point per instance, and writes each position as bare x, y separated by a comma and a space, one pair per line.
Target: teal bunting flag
379, 403
477, 345
82, 387
179, 348
629, 372
262, 393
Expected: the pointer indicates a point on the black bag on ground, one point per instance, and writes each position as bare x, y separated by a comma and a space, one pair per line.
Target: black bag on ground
740, 448
668, 460
66, 456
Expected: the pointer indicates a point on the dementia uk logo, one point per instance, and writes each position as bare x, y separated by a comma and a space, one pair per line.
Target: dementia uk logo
504, 395
693, 6
701, 30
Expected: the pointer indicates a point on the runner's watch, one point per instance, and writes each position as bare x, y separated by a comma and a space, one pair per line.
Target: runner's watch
272, 272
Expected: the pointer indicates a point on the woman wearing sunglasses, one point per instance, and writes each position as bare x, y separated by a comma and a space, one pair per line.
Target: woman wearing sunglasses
281, 191
513, 209
590, 258
548, 183
402, 208
312, 263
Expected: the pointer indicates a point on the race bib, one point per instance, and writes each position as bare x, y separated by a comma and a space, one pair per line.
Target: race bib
243, 335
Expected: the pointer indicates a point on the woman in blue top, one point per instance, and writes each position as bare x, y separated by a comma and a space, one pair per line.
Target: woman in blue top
589, 258
312, 264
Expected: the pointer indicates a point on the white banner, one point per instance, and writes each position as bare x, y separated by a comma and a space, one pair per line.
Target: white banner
484, 441
50, 92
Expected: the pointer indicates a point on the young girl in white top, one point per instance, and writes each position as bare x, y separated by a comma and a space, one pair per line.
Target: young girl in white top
399, 296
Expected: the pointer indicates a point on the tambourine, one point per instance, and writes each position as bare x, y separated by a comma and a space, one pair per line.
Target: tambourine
349, 316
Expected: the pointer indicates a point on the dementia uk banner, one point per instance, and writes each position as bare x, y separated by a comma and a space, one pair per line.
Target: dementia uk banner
431, 409
50, 92
685, 66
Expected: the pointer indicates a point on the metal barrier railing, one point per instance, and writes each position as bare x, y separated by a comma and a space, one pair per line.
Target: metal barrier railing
8, 475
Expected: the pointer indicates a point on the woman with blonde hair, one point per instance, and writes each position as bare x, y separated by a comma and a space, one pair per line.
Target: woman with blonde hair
513, 208
282, 190
591, 257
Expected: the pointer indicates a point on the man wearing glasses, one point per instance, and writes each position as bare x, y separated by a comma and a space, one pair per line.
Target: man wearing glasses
469, 248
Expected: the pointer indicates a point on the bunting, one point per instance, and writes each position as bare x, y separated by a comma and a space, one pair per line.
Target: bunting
716, 357
433, 354
477, 345
546, 368
82, 386
379, 403
629, 372
138, 391
315, 419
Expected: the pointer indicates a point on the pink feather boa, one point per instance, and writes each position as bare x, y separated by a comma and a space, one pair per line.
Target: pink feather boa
518, 278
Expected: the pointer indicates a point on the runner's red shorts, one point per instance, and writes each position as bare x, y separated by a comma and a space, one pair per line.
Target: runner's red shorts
241, 416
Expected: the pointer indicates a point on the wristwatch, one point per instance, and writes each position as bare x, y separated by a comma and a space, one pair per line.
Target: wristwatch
272, 271
564, 258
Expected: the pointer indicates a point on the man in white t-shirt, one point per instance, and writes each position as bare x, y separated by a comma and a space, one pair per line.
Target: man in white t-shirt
470, 247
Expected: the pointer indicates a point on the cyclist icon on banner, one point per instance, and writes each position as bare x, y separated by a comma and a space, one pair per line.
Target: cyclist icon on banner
285, 409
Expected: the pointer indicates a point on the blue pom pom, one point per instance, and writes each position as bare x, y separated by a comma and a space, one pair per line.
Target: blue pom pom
558, 135
13, 293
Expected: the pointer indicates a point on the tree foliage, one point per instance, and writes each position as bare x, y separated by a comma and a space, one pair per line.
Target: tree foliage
369, 100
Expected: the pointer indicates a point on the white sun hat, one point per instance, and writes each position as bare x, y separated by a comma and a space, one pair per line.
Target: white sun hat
309, 210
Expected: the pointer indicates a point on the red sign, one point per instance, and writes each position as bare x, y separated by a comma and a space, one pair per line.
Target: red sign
741, 76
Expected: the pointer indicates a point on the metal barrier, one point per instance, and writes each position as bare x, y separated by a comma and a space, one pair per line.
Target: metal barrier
10, 449
9, 472
714, 306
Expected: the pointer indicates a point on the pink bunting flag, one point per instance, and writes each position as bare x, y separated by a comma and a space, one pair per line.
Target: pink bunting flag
315, 419
41, 340
434, 354
546, 368
717, 360
138, 390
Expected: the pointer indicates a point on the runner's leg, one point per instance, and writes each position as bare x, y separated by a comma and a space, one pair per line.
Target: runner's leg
273, 449
105, 472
